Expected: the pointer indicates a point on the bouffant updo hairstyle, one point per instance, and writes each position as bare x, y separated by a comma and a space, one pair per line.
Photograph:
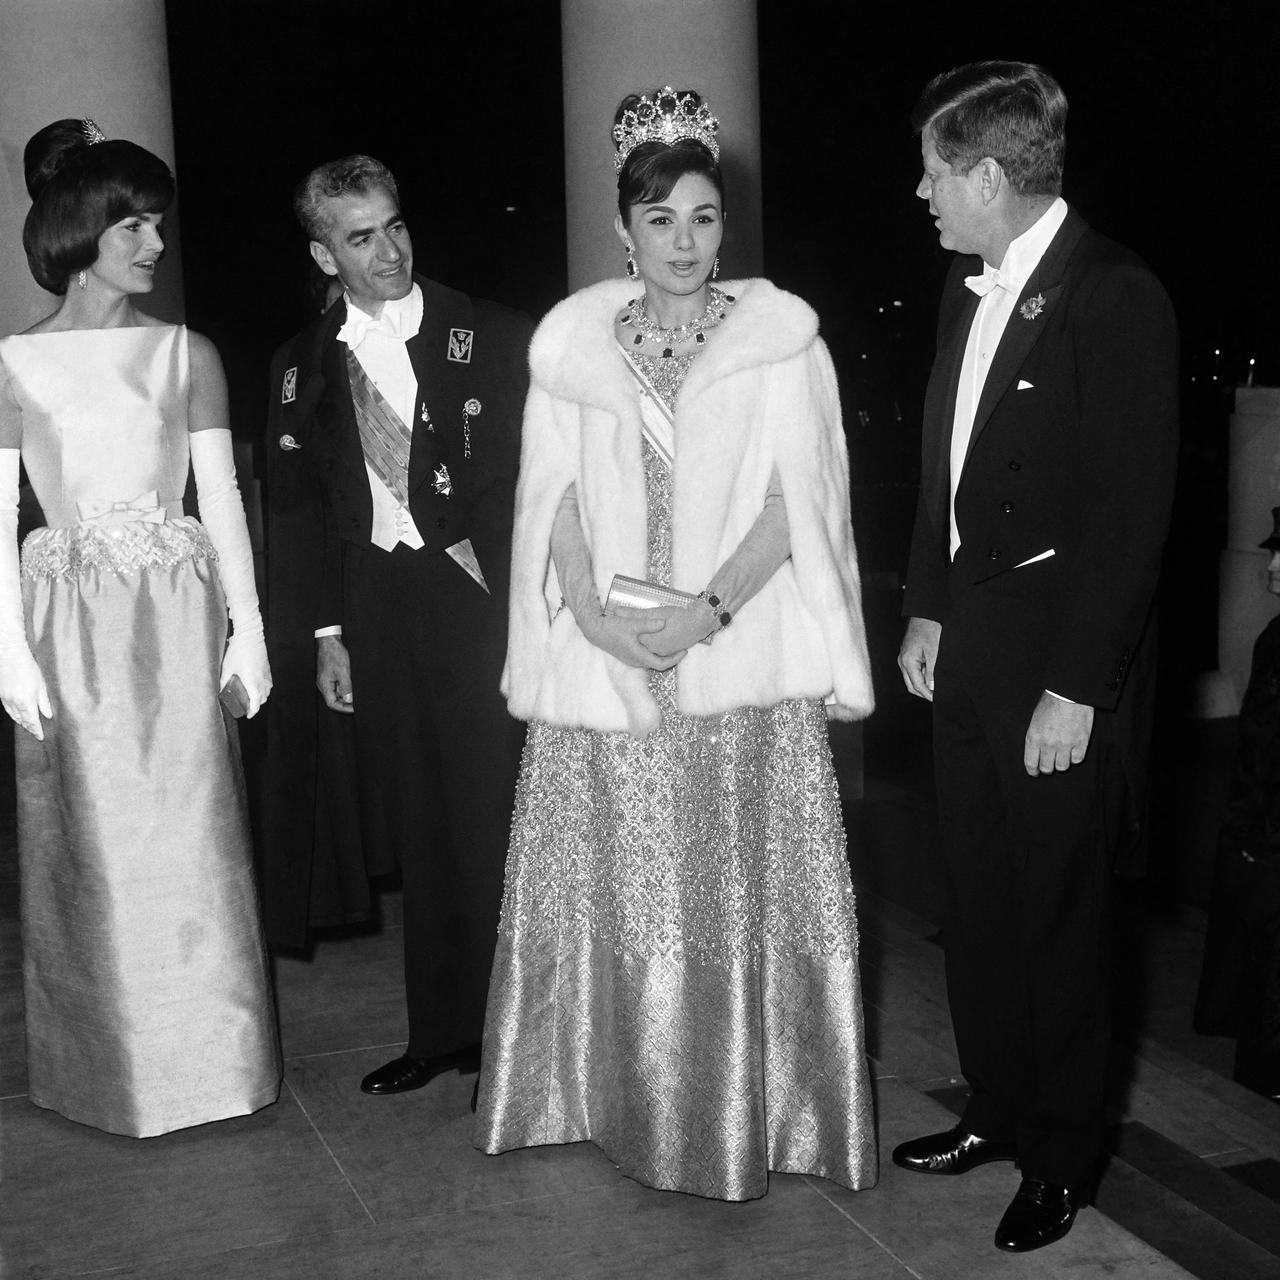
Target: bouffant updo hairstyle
79, 189
652, 169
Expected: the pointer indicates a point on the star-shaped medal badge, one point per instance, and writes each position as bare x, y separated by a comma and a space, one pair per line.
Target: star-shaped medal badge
443, 484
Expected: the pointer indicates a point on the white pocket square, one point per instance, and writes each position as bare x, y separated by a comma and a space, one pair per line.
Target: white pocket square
1025, 386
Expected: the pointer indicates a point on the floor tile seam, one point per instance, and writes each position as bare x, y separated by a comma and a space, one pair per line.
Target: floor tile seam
9, 1097
324, 1142
335, 1053
866, 1231
489, 1205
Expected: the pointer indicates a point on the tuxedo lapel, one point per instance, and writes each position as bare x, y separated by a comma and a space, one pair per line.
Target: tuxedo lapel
1040, 297
940, 398
335, 414
447, 330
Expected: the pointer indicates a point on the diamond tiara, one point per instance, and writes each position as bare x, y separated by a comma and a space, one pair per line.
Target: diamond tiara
92, 134
668, 117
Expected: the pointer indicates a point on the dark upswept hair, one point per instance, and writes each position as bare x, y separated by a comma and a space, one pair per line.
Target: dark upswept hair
651, 170
352, 175
1014, 112
80, 189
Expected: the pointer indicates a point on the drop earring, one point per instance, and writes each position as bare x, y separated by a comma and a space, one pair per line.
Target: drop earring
715, 268
632, 269
82, 279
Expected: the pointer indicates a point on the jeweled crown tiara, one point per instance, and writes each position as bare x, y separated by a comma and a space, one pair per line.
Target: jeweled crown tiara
668, 117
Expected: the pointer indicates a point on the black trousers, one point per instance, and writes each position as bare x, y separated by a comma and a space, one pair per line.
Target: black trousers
437, 756
1028, 869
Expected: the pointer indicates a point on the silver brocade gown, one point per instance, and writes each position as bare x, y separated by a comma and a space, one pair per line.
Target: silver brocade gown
148, 1006
676, 978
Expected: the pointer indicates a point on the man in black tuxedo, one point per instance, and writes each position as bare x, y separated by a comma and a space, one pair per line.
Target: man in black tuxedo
1049, 451
394, 445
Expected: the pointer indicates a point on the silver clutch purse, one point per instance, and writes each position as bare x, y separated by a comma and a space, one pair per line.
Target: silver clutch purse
636, 593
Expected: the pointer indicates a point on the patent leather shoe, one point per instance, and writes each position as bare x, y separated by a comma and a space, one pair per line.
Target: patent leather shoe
403, 1074
956, 1151
1038, 1215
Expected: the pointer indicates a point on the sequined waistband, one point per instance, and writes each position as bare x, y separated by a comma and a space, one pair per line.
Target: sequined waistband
122, 548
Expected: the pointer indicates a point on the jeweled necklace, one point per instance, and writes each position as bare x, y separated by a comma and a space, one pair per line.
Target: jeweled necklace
718, 304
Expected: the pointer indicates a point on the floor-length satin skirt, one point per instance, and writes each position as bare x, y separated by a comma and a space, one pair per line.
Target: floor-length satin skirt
148, 1006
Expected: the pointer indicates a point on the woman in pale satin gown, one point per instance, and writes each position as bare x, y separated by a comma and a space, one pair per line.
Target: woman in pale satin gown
676, 978
148, 1005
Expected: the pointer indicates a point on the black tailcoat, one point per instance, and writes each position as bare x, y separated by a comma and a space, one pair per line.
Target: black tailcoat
1073, 451
426, 642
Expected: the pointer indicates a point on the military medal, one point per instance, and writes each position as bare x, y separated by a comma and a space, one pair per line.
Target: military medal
469, 411
443, 484
289, 387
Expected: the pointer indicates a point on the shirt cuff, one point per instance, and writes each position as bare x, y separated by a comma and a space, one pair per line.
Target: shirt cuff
328, 631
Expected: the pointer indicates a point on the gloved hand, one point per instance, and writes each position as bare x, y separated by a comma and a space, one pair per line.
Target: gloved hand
621, 634
222, 514
22, 688
683, 627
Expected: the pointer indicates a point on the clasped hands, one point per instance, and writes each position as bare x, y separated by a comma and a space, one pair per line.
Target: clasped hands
654, 639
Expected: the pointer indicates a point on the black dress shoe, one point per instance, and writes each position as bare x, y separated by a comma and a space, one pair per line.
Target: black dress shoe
956, 1151
1038, 1215
402, 1074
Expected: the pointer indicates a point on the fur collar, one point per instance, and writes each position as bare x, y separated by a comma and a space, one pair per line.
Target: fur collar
573, 355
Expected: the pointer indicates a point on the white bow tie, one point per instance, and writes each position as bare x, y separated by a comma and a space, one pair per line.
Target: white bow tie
988, 280
358, 326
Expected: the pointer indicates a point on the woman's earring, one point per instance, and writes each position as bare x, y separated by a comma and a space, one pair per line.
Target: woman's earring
715, 267
632, 269
82, 279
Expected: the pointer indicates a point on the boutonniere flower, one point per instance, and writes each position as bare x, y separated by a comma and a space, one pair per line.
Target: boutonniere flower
1032, 307
469, 411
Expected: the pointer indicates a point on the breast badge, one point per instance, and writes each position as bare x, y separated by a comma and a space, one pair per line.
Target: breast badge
460, 341
443, 484
289, 387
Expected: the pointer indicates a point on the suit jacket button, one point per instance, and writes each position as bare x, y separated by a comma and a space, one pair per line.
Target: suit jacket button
1006, 507
994, 553
441, 522
1015, 465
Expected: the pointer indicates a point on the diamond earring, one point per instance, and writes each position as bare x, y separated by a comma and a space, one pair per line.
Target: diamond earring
632, 269
82, 279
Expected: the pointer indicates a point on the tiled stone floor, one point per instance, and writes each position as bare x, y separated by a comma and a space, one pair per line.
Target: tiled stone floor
331, 1184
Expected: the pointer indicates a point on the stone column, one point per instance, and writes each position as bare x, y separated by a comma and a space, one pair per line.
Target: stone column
1244, 605
611, 49
106, 59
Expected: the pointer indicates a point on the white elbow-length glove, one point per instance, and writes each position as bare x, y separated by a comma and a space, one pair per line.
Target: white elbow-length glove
222, 514
22, 688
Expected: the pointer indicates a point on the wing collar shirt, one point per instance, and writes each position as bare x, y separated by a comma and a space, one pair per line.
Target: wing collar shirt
999, 290
378, 343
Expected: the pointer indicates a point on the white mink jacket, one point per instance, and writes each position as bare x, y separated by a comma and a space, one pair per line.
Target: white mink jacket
763, 394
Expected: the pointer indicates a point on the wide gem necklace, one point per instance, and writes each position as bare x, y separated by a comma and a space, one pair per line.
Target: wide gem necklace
718, 304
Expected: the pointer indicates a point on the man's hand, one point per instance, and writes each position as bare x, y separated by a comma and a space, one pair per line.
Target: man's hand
333, 674
918, 654
1058, 736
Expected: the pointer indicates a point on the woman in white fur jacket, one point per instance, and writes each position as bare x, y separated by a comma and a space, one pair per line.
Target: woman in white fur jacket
676, 977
